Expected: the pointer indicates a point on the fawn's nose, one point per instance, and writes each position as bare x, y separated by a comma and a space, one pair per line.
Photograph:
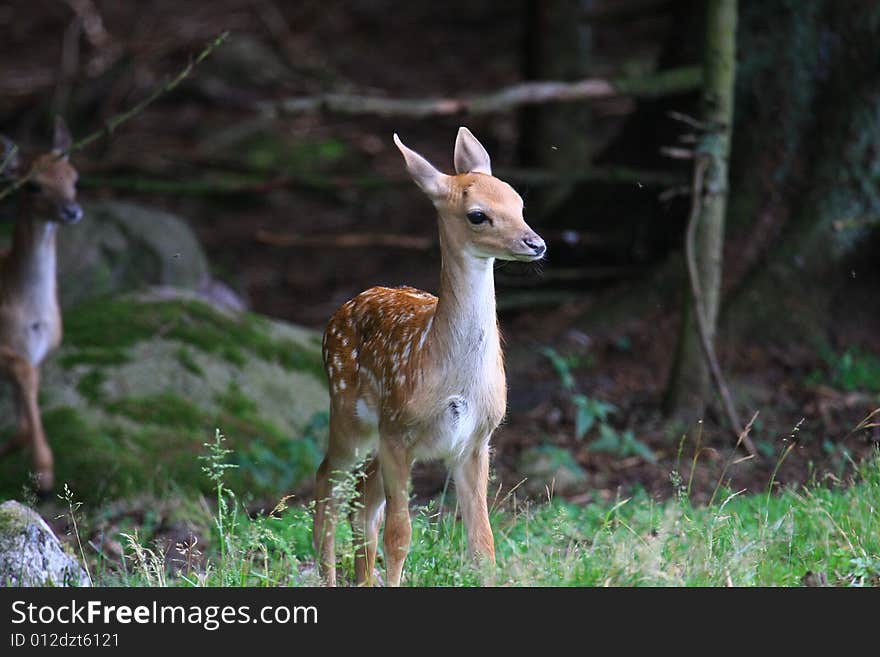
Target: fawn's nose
535, 244
71, 213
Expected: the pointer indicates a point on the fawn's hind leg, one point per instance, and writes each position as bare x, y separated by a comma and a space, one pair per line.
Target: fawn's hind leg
342, 455
365, 521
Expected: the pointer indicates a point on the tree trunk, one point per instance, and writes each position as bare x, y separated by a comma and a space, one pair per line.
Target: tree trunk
555, 137
823, 200
689, 386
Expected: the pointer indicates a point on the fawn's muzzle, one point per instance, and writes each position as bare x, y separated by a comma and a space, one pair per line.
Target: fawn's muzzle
70, 213
530, 247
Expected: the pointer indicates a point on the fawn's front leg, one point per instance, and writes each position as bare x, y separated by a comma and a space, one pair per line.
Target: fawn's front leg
471, 483
25, 379
395, 463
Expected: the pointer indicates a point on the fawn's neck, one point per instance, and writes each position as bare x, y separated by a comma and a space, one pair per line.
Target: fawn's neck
464, 330
32, 260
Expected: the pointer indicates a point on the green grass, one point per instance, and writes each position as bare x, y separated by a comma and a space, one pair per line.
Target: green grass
816, 532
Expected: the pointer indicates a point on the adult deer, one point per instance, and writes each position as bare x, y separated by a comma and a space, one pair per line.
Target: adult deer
30, 322
413, 376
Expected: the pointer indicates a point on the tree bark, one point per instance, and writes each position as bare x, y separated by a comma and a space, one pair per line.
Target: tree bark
689, 388
822, 199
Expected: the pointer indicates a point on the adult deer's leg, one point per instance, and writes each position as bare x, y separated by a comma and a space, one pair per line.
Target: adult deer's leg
396, 464
25, 379
471, 482
365, 520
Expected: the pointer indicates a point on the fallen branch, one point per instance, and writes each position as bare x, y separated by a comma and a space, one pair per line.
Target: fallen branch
508, 301
148, 184
419, 242
566, 275
346, 240
114, 122
700, 165
526, 93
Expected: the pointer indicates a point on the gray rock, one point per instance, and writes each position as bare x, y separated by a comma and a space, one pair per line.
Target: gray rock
121, 246
30, 554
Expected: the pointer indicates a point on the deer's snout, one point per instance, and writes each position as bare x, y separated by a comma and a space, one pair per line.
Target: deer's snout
535, 243
70, 213
530, 246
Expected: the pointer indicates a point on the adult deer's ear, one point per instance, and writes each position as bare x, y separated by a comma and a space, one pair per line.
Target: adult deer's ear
61, 140
434, 183
470, 156
10, 162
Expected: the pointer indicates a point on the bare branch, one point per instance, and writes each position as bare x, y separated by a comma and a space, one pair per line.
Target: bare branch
345, 240
152, 184
526, 93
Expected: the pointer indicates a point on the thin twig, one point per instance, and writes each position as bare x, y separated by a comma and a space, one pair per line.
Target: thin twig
700, 166
13, 149
114, 122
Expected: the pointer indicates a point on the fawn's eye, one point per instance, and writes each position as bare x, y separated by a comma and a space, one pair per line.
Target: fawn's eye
32, 186
477, 217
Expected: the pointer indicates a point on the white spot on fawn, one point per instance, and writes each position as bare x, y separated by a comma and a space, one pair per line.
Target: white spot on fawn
364, 412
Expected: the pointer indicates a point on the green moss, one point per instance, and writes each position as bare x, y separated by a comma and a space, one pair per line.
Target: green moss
164, 410
104, 329
11, 522
187, 362
240, 416
94, 356
265, 152
107, 459
268, 457
90, 384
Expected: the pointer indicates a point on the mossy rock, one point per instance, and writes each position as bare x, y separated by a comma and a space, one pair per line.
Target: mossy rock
30, 554
120, 247
142, 382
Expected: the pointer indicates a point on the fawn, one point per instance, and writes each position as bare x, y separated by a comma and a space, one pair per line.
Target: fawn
414, 376
30, 322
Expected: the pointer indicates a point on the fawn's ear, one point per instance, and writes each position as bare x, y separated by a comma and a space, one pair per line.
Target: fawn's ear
10, 162
61, 140
434, 183
470, 156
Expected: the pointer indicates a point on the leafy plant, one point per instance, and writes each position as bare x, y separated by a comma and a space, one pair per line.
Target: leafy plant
282, 465
590, 412
563, 366
855, 370
587, 412
621, 443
